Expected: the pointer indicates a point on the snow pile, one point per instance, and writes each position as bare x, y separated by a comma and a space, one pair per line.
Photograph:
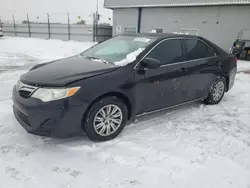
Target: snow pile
130, 57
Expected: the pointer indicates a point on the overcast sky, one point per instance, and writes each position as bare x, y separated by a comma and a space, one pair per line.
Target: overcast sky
57, 9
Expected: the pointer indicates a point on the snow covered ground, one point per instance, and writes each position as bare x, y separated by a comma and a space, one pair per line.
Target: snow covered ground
192, 146
15, 51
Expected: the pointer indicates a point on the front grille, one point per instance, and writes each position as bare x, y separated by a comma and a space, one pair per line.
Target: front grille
23, 117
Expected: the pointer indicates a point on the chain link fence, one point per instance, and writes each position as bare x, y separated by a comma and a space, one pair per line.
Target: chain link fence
67, 26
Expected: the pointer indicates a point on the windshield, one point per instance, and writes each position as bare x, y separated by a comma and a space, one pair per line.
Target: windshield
118, 48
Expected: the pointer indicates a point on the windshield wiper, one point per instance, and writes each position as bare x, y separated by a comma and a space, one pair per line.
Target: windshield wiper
97, 58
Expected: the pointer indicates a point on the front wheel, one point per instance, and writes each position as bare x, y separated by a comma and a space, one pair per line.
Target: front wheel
216, 91
106, 119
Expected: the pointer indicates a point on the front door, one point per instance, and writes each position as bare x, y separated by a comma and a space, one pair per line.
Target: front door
204, 66
166, 85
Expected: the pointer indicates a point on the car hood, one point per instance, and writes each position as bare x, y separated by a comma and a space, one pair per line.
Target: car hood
65, 71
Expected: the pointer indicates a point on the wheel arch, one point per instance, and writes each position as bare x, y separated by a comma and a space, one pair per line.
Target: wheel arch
226, 77
119, 95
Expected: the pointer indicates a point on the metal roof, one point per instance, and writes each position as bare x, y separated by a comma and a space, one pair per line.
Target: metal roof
112, 4
160, 36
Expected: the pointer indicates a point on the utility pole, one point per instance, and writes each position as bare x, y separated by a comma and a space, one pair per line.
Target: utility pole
48, 25
28, 25
68, 27
93, 27
14, 23
1, 22
96, 19
97, 12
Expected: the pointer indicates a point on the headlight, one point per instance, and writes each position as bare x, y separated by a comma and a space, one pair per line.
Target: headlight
49, 94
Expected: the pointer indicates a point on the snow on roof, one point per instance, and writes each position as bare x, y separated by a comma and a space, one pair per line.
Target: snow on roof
111, 5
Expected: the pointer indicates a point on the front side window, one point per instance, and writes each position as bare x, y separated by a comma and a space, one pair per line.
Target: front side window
117, 48
196, 49
168, 52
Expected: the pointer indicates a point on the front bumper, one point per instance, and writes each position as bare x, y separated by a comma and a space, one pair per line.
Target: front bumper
60, 119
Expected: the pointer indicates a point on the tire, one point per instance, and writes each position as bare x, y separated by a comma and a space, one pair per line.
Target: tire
214, 98
95, 118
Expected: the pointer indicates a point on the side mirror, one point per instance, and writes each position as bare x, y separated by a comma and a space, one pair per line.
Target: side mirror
151, 63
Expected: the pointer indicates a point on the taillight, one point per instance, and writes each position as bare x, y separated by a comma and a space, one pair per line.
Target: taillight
236, 59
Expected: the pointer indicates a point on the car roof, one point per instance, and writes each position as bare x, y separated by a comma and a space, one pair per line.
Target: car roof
161, 35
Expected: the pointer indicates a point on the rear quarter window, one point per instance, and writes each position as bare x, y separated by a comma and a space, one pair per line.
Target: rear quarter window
197, 49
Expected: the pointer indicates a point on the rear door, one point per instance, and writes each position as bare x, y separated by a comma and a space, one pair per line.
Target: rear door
203, 67
166, 85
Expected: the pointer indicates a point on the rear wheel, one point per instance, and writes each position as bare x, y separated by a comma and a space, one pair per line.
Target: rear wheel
105, 119
216, 92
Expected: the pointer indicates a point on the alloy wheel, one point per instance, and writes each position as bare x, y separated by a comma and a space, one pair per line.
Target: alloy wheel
108, 120
218, 90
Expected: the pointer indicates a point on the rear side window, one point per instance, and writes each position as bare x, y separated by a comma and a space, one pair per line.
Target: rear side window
196, 49
168, 52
